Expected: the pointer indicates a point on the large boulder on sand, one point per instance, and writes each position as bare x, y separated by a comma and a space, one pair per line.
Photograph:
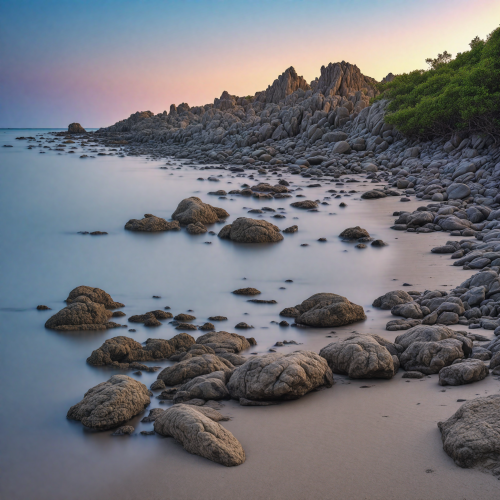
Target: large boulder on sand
224, 342
470, 436
391, 299
324, 310
151, 224
360, 356
76, 128
463, 371
200, 435
127, 350
95, 295
245, 230
277, 376
193, 367
81, 314
111, 404
192, 210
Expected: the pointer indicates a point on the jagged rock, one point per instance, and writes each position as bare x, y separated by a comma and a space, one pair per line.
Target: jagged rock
464, 371
127, 350
76, 128
391, 299
326, 310
192, 210
95, 295
245, 230
276, 376
354, 233
360, 356
200, 435
287, 83
222, 342
80, 314
470, 436
211, 386
304, 204
193, 367
111, 404
151, 224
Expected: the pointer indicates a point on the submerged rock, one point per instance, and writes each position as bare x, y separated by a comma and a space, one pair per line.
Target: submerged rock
151, 224
304, 204
354, 233
245, 230
111, 404
247, 291
95, 295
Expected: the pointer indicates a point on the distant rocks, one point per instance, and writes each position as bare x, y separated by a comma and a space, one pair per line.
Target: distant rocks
373, 194
245, 230
247, 291
354, 233
43, 308
192, 210
151, 224
76, 128
308, 204
291, 229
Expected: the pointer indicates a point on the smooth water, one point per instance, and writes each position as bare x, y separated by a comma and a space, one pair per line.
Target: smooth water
45, 199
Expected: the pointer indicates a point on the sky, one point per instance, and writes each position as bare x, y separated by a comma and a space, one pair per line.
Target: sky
97, 61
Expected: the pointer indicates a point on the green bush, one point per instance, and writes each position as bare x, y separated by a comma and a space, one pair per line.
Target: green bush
461, 94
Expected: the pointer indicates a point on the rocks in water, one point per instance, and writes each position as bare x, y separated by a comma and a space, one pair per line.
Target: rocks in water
153, 415
360, 356
242, 325
192, 210
262, 301
291, 229
463, 371
391, 299
224, 342
325, 310
207, 327
200, 435
95, 295
401, 324
408, 310
378, 243
217, 318
416, 375
308, 204
43, 308
247, 291
193, 367
186, 326
149, 317
111, 404
120, 350
276, 376
197, 228
151, 224
245, 230
354, 233
124, 430
80, 314
184, 317
211, 386
470, 436
76, 128
373, 194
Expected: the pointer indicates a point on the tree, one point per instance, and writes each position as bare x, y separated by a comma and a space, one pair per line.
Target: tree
443, 58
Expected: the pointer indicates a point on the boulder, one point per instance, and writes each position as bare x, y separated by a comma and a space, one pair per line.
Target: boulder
277, 376
111, 404
200, 435
341, 147
95, 295
192, 210
470, 436
224, 342
391, 299
360, 356
193, 367
76, 128
196, 228
354, 233
247, 291
324, 310
424, 333
245, 230
457, 191
373, 194
304, 204
143, 318
211, 386
151, 224
408, 310
463, 371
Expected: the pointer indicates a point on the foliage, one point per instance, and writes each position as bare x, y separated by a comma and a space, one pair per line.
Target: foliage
458, 94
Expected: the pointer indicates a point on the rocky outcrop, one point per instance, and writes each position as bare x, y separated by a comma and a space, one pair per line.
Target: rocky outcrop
287, 83
192, 210
95, 295
470, 436
151, 224
200, 435
76, 128
111, 404
277, 376
325, 310
245, 230
463, 371
360, 356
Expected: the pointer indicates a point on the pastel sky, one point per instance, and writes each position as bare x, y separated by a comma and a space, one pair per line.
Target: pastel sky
98, 61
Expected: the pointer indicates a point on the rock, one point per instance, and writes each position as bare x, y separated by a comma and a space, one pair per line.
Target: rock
409, 310
127, 350
391, 299
200, 435
43, 308
217, 318
125, 430
76, 128
354, 233
151, 224
193, 367
157, 385
207, 327
291, 229
243, 325
111, 404
304, 204
326, 310
373, 194
464, 371
431, 357
245, 230
186, 326
234, 359
360, 356
222, 342
211, 386
192, 210
378, 243
457, 191
276, 376
153, 415
151, 315
401, 324
341, 147
247, 291
424, 333
80, 314
184, 317
196, 228
95, 295
417, 375
470, 436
